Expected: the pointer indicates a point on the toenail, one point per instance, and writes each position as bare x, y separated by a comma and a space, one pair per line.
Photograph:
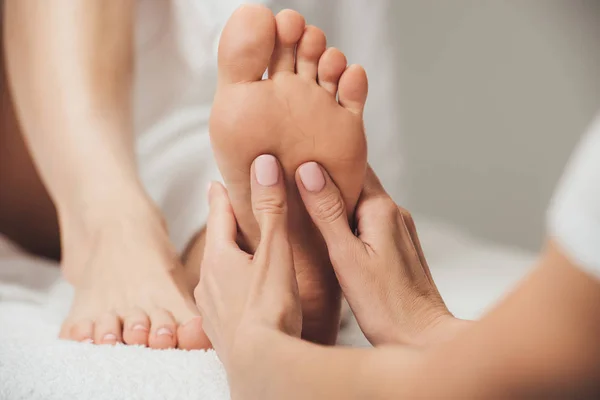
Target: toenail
139, 327
266, 170
109, 337
88, 340
164, 332
312, 177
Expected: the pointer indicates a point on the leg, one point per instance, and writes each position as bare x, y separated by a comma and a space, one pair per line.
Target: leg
27, 215
295, 116
69, 67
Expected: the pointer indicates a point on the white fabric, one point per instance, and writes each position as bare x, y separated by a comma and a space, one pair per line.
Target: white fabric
35, 365
176, 70
574, 216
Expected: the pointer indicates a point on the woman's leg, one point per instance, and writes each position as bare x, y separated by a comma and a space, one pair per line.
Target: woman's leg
69, 66
27, 215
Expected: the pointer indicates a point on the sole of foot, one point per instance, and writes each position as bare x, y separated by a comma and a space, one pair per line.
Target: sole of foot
309, 109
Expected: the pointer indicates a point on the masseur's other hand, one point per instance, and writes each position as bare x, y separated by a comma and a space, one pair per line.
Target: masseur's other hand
242, 296
382, 270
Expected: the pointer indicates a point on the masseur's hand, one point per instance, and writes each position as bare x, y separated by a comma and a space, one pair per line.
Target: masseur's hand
382, 269
242, 296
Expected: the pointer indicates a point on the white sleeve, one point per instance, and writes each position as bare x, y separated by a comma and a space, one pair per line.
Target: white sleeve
574, 215
361, 29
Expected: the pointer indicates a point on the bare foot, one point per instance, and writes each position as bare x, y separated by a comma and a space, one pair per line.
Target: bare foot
130, 286
295, 116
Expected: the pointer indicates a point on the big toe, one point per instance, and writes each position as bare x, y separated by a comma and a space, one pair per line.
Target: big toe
246, 44
353, 89
191, 336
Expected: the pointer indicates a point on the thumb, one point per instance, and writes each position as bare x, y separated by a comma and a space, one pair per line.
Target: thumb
269, 198
221, 225
269, 203
325, 205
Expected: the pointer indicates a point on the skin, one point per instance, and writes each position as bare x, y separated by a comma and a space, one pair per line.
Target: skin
539, 342
78, 106
69, 66
310, 108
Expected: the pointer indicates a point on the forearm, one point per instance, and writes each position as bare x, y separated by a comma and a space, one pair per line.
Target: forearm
70, 72
540, 342
286, 367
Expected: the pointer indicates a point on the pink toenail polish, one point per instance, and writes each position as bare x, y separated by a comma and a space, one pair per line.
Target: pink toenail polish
140, 327
312, 177
109, 337
164, 332
266, 170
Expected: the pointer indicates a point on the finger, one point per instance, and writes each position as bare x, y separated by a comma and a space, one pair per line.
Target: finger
269, 203
372, 186
416, 242
269, 200
325, 205
376, 212
221, 226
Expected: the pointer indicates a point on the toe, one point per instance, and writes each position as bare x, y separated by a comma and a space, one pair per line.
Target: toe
246, 44
310, 48
136, 326
163, 330
331, 67
65, 331
353, 89
108, 329
191, 336
81, 331
290, 27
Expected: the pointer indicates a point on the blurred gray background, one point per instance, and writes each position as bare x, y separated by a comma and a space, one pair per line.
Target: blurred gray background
494, 96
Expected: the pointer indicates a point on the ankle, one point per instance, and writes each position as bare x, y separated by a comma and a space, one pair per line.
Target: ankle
82, 228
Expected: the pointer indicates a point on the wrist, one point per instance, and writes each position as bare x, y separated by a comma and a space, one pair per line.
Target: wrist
442, 329
254, 361
426, 327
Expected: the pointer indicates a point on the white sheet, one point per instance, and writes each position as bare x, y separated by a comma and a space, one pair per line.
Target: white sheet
36, 365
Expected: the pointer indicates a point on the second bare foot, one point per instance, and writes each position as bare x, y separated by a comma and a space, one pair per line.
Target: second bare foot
130, 286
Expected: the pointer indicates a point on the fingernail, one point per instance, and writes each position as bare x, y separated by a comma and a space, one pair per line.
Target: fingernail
109, 336
164, 332
266, 170
88, 340
139, 327
312, 177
